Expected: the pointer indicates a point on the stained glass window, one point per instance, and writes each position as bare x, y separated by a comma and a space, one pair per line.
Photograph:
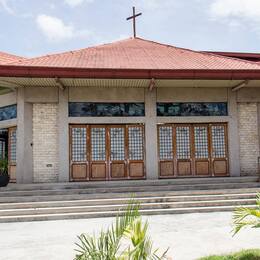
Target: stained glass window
8, 112
87, 109
192, 109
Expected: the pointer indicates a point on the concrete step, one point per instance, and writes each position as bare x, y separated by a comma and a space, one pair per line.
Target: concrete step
63, 216
129, 183
130, 189
142, 194
151, 199
116, 207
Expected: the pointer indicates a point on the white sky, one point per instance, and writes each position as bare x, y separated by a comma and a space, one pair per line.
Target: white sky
37, 27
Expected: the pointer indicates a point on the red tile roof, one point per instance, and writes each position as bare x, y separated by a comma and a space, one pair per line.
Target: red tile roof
137, 53
6, 58
240, 55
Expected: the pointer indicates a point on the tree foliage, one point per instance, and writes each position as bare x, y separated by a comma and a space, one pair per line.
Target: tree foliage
247, 217
126, 239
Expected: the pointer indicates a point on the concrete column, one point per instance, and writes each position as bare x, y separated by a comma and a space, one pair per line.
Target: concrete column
151, 135
233, 134
24, 169
63, 133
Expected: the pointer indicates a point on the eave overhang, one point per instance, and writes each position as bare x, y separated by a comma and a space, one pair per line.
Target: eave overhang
54, 72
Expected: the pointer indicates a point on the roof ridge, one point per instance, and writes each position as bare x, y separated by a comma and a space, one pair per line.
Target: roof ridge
75, 51
199, 52
11, 55
227, 57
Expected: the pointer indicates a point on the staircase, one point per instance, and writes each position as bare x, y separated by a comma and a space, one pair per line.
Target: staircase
36, 202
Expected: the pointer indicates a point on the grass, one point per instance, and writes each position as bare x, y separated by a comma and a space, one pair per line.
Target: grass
252, 254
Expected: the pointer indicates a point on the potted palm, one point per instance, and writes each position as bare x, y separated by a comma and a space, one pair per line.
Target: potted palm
4, 177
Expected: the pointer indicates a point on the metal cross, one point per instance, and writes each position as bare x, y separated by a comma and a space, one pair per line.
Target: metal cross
133, 17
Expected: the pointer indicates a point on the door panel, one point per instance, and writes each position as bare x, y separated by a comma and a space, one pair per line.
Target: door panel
166, 164
202, 168
98, 171
136, 169
117, 152
183, 150
78, 153
166, 169
136, 151
79, 171
220, 168
201, 150
219, 149
98, 154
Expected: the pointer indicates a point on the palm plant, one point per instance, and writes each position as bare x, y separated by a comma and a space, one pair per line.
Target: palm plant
247, 217
109, 245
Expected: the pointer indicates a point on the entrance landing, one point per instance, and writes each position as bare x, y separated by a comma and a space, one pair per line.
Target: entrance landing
35, 202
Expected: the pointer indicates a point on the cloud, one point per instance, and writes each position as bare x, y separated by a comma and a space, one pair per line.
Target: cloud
154, 4
74, 3
236, 9
5, 5
237, 13
55, 30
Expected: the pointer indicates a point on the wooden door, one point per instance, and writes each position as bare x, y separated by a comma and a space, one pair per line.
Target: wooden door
219, 149
98, 153
117, 152
166, 162
78, 153
183, 150
201, 150
107, 152
192, 150
136, 155
12, 141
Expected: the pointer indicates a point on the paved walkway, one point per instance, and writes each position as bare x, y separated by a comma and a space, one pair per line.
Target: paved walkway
188, 236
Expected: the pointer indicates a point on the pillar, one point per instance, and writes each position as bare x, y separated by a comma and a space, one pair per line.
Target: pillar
151, 135
233, 134
24, 169
63, 135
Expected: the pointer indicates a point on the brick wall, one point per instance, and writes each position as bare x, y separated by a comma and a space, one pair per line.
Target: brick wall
45, 142
249, 139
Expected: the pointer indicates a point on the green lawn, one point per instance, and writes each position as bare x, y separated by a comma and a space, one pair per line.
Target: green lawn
252, 254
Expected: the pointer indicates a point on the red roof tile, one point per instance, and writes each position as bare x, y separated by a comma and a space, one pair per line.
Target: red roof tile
137, 53
6, 58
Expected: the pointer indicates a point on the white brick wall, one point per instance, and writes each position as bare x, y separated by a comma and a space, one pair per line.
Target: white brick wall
45, 142
249, 139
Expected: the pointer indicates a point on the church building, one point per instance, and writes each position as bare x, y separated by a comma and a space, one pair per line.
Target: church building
131, 109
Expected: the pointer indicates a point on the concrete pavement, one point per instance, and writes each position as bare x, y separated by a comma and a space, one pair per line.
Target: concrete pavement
189, 236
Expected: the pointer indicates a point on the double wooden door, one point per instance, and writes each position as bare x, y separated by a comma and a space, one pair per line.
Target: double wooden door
192, 150
106, 152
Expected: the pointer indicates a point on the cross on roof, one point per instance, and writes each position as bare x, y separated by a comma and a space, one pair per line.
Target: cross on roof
133, 18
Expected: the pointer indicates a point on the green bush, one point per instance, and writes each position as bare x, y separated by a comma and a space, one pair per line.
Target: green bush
3, 167
252, 254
